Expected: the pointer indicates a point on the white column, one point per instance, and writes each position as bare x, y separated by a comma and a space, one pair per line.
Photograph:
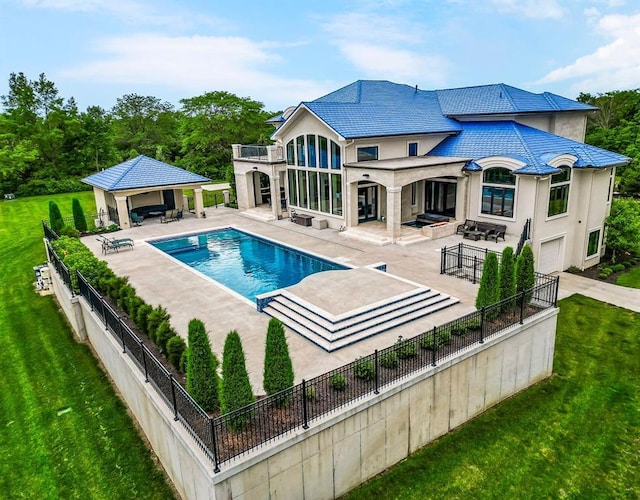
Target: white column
198, 204
123, 212
350, 205
462, 197
274, 183
394, 212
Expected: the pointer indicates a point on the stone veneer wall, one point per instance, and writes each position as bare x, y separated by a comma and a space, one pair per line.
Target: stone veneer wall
341, 450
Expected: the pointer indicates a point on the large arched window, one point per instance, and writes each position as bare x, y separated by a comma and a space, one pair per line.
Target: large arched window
498, 192
559, 192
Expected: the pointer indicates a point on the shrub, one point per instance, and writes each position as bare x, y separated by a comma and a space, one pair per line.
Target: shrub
184, 360
389, 359
488, 293
627, 264
236, 389
338, 381
278, 369
56, 222
175, 349
79, 220
364, 368
310, 392
603, 276
574, 270
142, 317
617, 268
405, 348
427, 342
444, 337
202, 377
507, 275
133, 304
155, 317
163, 334
68, 231
525, 271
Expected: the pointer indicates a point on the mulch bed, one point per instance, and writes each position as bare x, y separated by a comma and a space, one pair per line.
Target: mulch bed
594, 271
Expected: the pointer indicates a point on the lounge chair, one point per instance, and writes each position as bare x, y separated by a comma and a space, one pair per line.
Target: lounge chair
114, 244
135, 218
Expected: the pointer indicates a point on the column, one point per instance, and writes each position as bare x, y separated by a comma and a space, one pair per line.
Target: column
198, 204
394, 212
350, 205
123, 212
274, 183
462, 197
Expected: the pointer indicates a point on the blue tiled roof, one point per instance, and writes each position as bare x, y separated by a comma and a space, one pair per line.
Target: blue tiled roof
142, 172
532, 146
500, 99
380, 108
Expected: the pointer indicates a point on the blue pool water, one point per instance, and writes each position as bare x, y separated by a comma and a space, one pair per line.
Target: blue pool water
245, 263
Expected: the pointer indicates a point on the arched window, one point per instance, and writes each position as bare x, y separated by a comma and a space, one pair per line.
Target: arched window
498, 192
559, 192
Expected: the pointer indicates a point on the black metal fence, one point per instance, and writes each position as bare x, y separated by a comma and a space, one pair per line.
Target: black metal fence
49, 233
60, 268
225, 437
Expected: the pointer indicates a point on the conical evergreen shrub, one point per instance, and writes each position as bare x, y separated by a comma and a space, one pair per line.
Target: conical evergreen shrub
202, 378
489, 291
507, 275
236, 388
278, 369
79, 220
175, 349
525, 272
56, 222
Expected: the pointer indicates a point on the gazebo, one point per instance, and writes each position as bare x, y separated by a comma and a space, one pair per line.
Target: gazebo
143, 182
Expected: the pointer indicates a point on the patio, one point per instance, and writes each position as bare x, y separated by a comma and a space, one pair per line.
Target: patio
187, 294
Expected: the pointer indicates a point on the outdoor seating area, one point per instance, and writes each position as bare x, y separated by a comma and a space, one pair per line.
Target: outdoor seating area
135, 218
474, 230
171, 216
114, 244
150, 210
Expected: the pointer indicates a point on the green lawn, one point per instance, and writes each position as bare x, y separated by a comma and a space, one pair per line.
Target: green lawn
91, 449
630, 279
576, 435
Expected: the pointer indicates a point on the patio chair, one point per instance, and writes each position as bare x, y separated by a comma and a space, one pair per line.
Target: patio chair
114, 244
135, 218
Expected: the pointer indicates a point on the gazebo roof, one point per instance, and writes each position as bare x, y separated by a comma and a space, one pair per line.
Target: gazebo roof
142, 172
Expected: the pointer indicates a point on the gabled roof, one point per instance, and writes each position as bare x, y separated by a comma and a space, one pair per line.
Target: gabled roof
503, 99
534, 147
142, 172
380, 108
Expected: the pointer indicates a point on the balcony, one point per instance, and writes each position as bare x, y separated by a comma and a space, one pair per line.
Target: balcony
253, 152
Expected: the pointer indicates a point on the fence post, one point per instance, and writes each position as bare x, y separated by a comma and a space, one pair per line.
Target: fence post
173, 396
121, 324
522, 307
216, 467
377, 371
459, 255
434, 346
305, 423
475, 268
555, 296
443, 252
104, 316
482, 325
144, 362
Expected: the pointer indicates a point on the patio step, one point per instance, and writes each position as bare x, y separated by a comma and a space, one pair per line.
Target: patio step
335, 332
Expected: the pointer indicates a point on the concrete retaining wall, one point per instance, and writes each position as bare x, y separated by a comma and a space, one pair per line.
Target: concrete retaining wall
340, 451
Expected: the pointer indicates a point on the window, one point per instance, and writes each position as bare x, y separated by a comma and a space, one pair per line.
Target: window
300, 149
324, 154
325, 192
368, 153
336, 162
290, 153
293, 190
414, 193
311, 151
559, 192
336, 189
413, 149
302, 188
313, 190
497, 197
594, 243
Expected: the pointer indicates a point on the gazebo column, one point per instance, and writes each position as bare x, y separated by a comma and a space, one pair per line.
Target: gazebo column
123, 212
274, 182
462, 197
394, 212
198, 204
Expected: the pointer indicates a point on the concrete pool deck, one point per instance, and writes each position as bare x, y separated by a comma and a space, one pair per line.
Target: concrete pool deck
186, 294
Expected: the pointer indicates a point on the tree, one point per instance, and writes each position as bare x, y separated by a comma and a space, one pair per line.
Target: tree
489, 291
525, 271
202, 376
236, 388
278, 369
214, 121
164, 334
56, 222
507, 274
623, 226
79, 220
175, 348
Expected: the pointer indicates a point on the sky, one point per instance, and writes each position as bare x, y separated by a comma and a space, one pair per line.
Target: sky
284, 52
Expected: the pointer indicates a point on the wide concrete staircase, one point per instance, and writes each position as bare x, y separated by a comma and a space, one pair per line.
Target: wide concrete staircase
332, 332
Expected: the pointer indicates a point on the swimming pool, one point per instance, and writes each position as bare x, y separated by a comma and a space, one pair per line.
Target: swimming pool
247, 264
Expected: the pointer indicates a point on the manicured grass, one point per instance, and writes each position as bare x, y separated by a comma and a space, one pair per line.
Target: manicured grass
630, 279
575, 435
63, 432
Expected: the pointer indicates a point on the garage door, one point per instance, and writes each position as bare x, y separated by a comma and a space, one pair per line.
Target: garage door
550, 256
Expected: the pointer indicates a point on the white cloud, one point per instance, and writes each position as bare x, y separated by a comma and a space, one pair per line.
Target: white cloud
612, 66
195, 65
542, 9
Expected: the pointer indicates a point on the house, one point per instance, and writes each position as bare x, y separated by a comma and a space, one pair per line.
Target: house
386, 152
143, 185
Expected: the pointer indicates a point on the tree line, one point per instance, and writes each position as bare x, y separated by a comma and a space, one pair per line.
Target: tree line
47, 144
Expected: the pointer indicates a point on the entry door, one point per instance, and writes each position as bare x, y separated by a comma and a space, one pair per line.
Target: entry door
367, 203
440, 198
169, 199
